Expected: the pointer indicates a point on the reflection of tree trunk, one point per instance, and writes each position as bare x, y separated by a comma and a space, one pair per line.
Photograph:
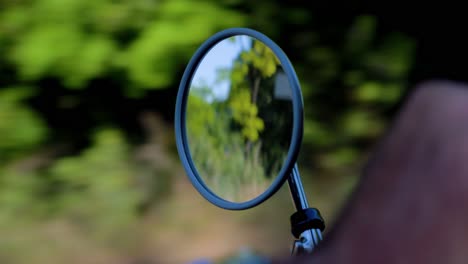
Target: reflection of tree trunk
256, 87
248, 148
255, 78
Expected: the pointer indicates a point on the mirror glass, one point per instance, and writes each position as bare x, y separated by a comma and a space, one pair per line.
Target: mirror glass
239, 118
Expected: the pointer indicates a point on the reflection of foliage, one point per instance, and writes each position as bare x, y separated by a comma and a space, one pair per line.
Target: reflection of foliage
245, 113
204, 114
253, 75
240, 143
254, 64
219, 154
261, 57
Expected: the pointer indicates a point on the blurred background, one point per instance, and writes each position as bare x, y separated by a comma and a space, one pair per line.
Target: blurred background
89, 172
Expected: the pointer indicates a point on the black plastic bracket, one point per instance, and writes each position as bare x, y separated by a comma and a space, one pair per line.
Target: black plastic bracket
306, 219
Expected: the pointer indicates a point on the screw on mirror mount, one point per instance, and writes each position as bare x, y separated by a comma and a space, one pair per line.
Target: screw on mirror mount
307, 223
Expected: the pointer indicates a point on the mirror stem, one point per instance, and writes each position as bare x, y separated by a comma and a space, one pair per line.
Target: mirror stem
297, 190
306, 224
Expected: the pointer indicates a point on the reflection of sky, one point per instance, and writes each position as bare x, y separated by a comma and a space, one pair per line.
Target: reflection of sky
220, 56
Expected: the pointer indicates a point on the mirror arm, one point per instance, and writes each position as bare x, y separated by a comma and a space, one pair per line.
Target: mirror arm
306, 223
297, 190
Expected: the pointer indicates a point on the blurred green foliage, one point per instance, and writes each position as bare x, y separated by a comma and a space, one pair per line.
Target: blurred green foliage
77, 41
57, 56
48, 47
22, 129
352, 76
97, 189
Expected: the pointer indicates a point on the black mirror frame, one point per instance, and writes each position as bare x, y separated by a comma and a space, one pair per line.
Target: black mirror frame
180, 120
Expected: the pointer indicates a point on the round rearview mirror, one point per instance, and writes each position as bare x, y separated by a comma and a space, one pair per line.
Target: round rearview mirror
239, 118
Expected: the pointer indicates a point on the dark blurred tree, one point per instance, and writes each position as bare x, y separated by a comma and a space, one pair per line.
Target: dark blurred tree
352, 72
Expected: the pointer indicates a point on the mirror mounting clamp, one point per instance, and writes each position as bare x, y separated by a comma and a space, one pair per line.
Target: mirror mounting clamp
306, 219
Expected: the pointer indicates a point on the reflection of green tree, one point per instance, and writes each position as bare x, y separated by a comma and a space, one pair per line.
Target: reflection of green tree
239, 145
245, 113
254, 64
218, 152
253, 76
